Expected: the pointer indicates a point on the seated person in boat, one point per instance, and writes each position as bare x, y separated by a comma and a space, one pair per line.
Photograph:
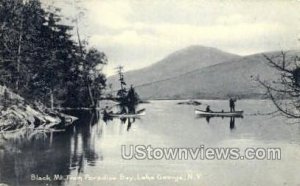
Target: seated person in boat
208, 108
105, 113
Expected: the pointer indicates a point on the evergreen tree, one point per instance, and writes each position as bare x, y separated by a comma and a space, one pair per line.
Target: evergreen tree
39, 59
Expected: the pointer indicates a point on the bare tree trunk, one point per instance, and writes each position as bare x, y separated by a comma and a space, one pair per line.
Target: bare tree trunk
81, 51
79, 40
82, 55
51, 99
19, 56
91, 95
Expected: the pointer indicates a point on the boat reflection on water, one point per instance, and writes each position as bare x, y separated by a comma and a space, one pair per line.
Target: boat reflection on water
92, 147
129, 122
231, 121
124, 120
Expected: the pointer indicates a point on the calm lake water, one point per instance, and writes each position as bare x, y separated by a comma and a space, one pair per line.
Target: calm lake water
92, 149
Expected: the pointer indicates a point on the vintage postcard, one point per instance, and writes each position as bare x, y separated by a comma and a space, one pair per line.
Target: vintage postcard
149, 92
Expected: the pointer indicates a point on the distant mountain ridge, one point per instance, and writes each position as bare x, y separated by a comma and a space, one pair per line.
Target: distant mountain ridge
219, 81
177, 63
201, 73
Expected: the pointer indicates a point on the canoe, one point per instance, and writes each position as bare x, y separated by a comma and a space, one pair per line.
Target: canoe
138, 114
219, 114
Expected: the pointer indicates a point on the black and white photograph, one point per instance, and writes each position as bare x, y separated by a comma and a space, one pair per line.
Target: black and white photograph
149, 92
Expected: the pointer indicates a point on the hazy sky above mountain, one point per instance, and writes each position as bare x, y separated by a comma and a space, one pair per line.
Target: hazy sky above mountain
136, 33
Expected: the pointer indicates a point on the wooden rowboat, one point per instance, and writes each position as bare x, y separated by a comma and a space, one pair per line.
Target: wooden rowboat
219, 114
137, 114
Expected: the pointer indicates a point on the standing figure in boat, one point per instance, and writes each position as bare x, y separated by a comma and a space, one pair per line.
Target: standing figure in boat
232, 104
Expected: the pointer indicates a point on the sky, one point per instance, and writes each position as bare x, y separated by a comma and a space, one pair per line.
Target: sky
138, 33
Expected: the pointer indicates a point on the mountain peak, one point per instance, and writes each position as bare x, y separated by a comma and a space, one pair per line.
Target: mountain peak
200, 51
199, 47
178, 63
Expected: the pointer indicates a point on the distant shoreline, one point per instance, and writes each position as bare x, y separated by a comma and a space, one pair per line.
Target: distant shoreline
221, 99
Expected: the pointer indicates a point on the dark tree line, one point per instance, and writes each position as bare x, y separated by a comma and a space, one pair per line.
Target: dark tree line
40, 61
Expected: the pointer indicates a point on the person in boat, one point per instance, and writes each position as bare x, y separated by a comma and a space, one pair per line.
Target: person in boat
105, 111
208, 108
232, 104
105, 114
123, 110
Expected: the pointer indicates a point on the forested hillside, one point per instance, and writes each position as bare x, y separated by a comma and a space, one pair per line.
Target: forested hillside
41, 60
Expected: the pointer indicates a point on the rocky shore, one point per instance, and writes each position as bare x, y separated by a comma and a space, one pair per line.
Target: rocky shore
16, 113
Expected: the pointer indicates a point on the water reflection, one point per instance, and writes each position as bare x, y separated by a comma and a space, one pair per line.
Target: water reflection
22, 158
231, 121
124, 120
50, 154
92, 147
55, 153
